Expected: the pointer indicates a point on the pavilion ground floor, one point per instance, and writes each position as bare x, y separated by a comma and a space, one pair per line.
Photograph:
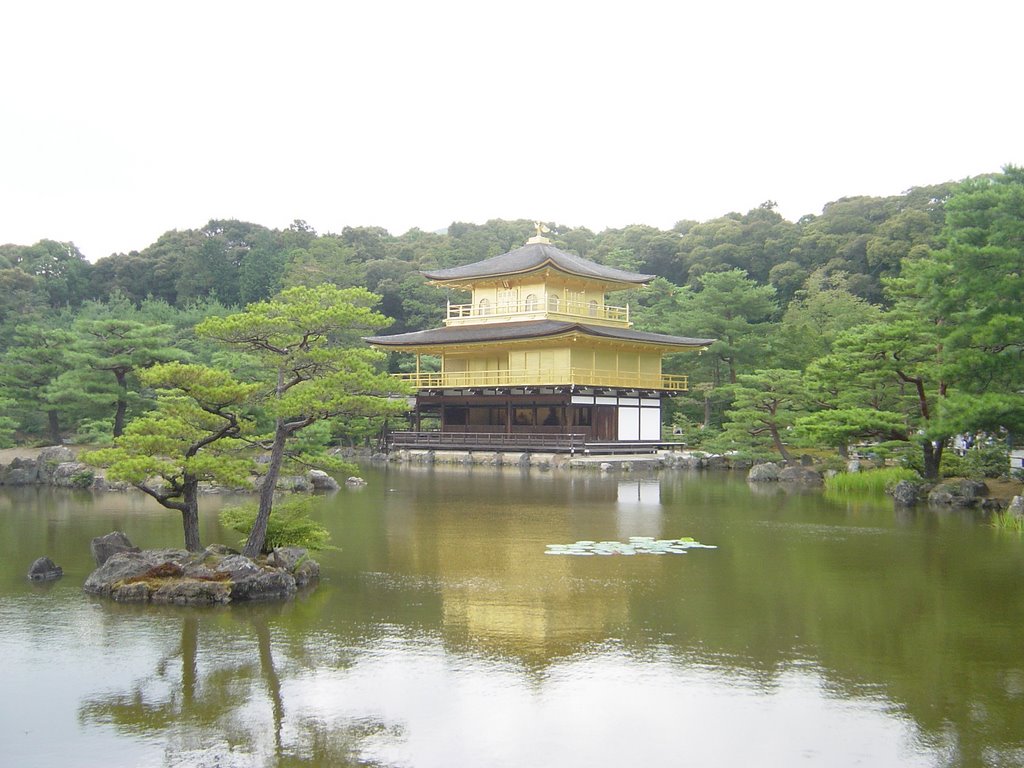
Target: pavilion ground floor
544, 419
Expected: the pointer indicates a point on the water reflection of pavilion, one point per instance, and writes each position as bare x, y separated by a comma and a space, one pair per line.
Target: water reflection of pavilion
502, 592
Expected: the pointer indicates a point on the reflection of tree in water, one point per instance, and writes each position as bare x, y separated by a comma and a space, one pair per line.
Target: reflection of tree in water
211, 716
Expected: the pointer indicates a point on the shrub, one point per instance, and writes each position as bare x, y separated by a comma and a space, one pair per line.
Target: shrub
94, 432
289, 526
988, 461
952, 465
83, 478
980, 461
835, 463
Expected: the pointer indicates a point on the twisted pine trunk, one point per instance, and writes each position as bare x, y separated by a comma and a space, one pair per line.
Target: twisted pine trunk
258, 535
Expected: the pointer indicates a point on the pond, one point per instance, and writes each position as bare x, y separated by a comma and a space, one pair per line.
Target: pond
821, 631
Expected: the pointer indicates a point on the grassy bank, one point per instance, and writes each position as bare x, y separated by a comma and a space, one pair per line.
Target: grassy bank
870, 481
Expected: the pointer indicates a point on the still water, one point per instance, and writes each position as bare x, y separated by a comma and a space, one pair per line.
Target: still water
821, 631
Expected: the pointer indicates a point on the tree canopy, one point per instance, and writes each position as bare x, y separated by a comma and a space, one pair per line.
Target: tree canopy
903, 314
311, 367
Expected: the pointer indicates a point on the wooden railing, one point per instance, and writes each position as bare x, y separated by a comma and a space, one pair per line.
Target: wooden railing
577, 310
489, 441
545, 377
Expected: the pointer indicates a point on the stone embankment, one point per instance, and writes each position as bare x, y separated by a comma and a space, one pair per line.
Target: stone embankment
556, 461
57, 466
174, 576
768, 472
951, 493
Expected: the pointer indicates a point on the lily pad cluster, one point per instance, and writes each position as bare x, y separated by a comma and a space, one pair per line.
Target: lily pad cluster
637, 545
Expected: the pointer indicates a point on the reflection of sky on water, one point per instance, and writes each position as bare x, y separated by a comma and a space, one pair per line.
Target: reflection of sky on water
604, 708
638, 510
408, 701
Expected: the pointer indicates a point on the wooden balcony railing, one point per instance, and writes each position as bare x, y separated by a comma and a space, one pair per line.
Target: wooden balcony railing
549, 308
488, 441
546, 377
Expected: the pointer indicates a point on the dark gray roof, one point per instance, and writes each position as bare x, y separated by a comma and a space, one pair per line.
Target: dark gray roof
531, 329
534, 256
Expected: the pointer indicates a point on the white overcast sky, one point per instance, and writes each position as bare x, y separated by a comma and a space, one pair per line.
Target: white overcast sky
122, 120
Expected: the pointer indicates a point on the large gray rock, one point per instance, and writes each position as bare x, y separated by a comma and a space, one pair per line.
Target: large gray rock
715, 461
132, 592
689, 462
763, 473
22, 472
306, 573
44, 569
50, 458
101, 483
296, 561
321, 481
192, 592
249, 581
72, 474
129, 565
973, 489
946, 495
804, 475
1016, 507
942, 495
291, 483
103, 547
905, 493
287, 557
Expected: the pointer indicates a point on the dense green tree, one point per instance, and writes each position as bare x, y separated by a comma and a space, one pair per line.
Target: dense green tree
315, 368
868, 237
728, 307
19, 297
193, 435
754, 242
765, 404
975, 282
326, 260
893, 365
474, 242
839, 427
109, 344
645, 249
7, 424
60, 268
367, 243
816, 315
37, 356
138, 275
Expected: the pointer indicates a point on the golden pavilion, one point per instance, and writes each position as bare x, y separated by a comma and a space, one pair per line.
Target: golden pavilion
538, 360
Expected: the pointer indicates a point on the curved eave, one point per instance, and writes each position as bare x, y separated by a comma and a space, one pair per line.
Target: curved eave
442, 339
534, 257
469, 282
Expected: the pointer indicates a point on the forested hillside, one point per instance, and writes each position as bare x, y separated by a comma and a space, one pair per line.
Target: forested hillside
893, 319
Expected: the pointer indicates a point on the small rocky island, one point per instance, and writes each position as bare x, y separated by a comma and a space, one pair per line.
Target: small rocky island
218, 574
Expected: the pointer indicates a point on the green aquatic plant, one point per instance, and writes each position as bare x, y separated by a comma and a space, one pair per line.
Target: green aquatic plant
875, 481
637, 545
1008, 521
